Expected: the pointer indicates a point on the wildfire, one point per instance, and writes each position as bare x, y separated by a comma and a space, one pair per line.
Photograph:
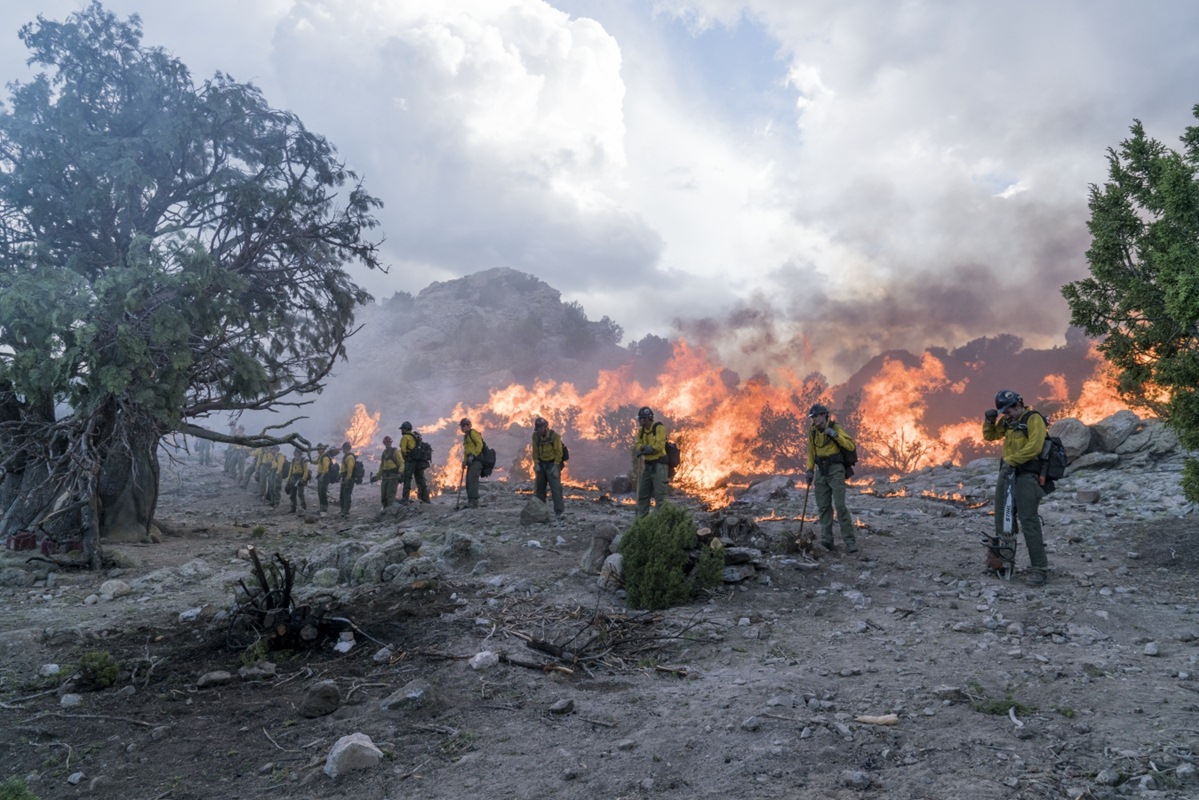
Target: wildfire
907, 413
363, 426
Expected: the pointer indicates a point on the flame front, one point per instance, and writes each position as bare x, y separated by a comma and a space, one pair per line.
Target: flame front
906, 415
363, 426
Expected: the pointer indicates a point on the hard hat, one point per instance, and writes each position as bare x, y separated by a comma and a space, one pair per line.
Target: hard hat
1007, 398
817, 410
386, 440
405, 426
464, 423
645, 413
540, 423
345, 445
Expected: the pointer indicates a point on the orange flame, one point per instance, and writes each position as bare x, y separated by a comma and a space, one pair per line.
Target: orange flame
911, 413
363, 426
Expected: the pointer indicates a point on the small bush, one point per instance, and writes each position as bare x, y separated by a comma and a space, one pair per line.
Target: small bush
658, 570
97, 670
15, 789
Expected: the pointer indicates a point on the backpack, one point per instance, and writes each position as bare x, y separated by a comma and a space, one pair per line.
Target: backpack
848, 458
359, 471
565, 453
334, 471
488, 459
422, 452
673, 457
1053, 455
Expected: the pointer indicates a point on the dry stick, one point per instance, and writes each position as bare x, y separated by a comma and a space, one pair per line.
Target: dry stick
276, 744
89, 716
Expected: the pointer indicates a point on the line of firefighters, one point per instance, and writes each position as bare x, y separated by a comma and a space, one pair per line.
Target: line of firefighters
276, 476
401, 467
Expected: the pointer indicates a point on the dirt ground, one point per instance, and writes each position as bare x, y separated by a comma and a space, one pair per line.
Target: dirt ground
1083, 688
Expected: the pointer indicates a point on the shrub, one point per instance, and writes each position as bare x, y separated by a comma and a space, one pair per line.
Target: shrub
97, 670
15, 789
658, 570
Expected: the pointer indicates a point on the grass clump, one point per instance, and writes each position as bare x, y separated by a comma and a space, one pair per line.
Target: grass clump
16, 789
983, 703
660, 568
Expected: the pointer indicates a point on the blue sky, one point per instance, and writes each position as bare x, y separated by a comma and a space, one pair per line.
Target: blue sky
800, 184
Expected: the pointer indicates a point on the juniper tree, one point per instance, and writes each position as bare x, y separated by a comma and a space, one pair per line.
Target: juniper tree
169, 251
1143, 293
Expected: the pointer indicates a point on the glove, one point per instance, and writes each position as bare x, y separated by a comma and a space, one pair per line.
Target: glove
991, 415
646, 450
470, 459
830, 432
808, 476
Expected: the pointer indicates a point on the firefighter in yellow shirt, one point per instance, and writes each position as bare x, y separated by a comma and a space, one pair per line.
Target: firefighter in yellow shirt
391, 464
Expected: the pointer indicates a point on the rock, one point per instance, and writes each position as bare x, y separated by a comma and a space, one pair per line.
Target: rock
215, 678
1089, 496
1110, 433
70, 700
412, 696
535, 512
16, 577
1075, 436
191, 615
562, 707
1092, 461
263, 670
112, 589
735, 573
461, 547
321, 699
353, 752
611, 576
326, 577
601, 543
484, 660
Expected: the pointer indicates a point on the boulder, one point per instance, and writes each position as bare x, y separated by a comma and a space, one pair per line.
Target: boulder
350, 753
535, 512
1075, 436
601, 545
1110, 433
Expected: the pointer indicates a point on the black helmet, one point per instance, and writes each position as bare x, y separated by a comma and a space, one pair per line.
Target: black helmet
405, 426
645, 413
1006, 399
464, 423
817, 410
540, 423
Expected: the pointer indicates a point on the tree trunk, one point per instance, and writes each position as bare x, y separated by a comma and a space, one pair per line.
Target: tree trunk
81, 483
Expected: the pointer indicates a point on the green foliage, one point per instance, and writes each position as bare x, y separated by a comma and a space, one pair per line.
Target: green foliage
16, 789
983, 703
169, 250
657, 567
96, 670
176, 246
1143, 293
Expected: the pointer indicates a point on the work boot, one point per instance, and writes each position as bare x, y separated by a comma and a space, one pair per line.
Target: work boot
1035, 577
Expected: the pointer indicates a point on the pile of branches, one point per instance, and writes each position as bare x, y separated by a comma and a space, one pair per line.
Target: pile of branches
584, 640
266, 615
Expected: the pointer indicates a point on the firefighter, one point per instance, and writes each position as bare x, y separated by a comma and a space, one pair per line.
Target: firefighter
414, 468
390, 466
297, 480
346, 497
655, 466
472, 460
324, 475
1023, 432
826, 467
547, 465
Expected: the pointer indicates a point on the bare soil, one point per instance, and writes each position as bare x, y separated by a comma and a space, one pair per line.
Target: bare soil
1082, 688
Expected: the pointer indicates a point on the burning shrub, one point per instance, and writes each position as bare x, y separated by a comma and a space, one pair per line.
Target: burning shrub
659, 570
